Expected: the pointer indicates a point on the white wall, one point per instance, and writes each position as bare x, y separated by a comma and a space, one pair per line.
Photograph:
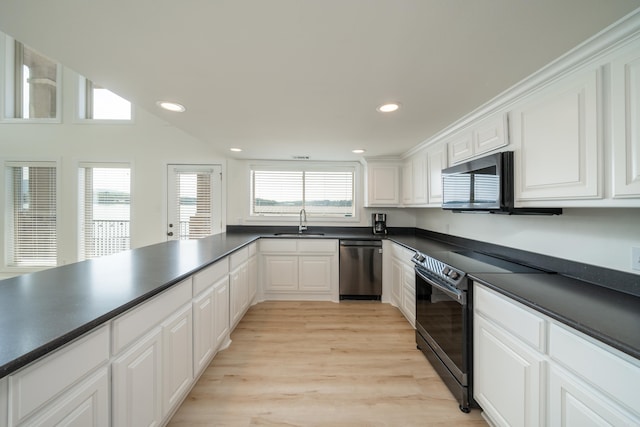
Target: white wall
149, 144
238, 190
601, 237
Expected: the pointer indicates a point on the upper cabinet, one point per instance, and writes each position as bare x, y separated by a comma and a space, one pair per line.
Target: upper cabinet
414, 176
382, 184
556, 136
481, 138
625, 126
436, 161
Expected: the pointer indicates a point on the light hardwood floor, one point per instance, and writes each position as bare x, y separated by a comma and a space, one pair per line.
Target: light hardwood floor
322, 364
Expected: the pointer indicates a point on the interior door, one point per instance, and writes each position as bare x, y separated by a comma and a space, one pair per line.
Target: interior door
194, 201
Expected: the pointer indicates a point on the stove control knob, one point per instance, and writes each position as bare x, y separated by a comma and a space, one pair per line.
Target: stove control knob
446, 271
421, 257
454, 275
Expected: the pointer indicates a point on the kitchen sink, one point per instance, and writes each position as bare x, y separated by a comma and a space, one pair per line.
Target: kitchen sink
298, 234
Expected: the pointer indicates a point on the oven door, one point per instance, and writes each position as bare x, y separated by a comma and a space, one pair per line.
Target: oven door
442, 321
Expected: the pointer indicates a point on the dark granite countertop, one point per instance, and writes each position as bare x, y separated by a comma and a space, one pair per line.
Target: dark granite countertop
607, 315
43, 311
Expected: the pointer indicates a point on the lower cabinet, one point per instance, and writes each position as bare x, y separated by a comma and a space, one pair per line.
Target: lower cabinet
221, 322
403, 282
137, 385
177, 358
299, 269
530, 370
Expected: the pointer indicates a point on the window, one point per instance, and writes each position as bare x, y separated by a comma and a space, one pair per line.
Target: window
321, 192
105, 209
32, 82
31, 214
98, 103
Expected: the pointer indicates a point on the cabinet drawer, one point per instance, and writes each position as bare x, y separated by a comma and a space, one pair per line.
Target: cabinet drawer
37, 384
402, 253
278, 245
139, 320
318, 246
210, 275
253, 249
238, 257
511, 316
596, 363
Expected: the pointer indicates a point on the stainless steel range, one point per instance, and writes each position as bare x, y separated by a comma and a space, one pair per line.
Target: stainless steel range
444, 324
444, 313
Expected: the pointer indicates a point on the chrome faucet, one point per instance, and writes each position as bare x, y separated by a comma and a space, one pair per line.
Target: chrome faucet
303, 221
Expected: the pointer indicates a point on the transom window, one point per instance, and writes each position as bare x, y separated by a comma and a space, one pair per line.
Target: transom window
33, 80
321, 192
99, 103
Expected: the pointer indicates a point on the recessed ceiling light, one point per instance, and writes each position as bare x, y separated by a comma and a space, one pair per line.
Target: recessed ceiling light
388, 108
235, 150
171, 106
358, 151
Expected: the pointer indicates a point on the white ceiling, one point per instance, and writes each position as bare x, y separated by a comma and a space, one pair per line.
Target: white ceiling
281, 78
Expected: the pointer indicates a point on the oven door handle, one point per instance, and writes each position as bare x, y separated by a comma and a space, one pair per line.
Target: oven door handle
452, 292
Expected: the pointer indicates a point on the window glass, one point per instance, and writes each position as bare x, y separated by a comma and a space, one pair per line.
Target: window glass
36, 84
32, 218
105, 210
322, 193
102, 104
194, 204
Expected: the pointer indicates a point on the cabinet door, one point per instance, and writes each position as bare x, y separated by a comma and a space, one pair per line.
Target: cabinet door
436, 161
409, 293
559, 147
383, 185
407, 183
203, 330
460, 147
419, 175
625, 102
507, 376
253, 279
315, 273
85, 405
396, 282
136, 384
281, 273
177, 357
222, 301
489, 135
575, 403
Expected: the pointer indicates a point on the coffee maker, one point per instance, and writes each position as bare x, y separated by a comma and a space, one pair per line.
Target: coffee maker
379, 221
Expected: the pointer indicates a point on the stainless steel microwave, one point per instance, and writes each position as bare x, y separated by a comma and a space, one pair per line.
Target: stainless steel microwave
484, 185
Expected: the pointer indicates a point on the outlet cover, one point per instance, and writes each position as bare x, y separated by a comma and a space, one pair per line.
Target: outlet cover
635, 258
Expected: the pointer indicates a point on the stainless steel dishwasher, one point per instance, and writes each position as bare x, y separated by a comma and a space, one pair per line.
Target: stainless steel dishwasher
360, 269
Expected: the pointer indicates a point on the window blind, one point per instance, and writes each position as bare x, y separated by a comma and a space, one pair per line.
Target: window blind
105, 205
285, 192
32, 231
194, 203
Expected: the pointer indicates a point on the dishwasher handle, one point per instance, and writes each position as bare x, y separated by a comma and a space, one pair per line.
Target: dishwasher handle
362, 243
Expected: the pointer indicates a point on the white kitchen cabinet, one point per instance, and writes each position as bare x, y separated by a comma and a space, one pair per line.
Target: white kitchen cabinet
177, 358
414, 180
300, 268
436, 162
204, 339
383, 184
238, 285
253, 272
530, 370
483, 137
64, 385
557, 143
4, 402
403, 282
507, 376
407, 183
625, 123
137, 383
221, 303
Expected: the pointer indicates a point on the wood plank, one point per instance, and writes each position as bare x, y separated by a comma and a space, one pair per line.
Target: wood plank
294, 363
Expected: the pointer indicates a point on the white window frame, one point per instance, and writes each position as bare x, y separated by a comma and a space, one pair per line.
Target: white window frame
80, 214
81, 105
7, 111
306, 166
7, 205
